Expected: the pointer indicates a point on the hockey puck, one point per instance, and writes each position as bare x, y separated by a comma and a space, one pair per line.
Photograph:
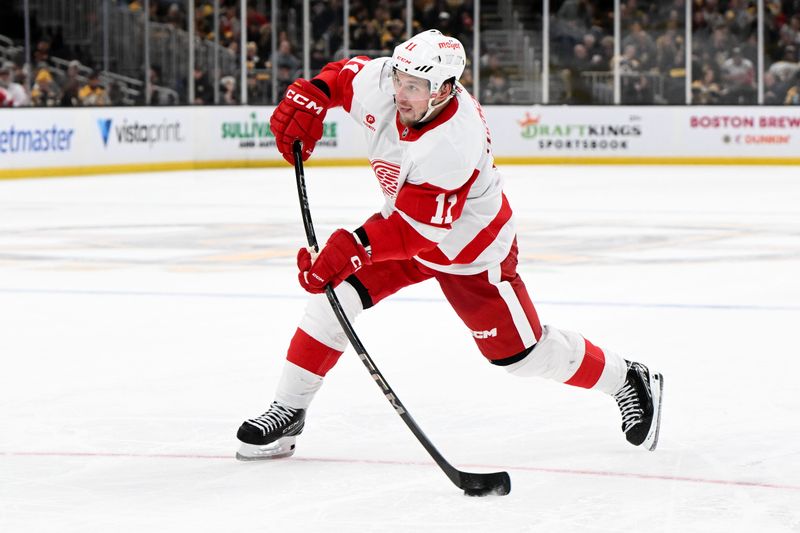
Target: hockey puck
499, 490
478, 492
479, 485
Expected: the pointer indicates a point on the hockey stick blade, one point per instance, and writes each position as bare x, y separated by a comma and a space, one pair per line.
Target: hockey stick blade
496, 483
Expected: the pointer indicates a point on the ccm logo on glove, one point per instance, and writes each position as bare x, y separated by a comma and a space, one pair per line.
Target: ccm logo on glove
300, 116
341, 256
304, 101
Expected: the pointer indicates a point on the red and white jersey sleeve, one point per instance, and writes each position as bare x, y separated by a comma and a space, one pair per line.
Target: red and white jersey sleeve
440, 178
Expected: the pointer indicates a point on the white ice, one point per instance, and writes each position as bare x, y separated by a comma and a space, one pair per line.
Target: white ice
143, 317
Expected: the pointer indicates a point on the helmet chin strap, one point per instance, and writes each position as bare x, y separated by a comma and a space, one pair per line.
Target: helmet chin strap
433, 107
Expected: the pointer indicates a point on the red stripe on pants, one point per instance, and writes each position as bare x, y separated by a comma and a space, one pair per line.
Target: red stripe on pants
591, 367
307, 352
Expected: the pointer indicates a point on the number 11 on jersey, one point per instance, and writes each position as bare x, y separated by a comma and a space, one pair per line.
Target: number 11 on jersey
440, 217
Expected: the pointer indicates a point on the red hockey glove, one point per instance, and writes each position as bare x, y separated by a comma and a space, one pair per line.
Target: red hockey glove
299, 116
341, 256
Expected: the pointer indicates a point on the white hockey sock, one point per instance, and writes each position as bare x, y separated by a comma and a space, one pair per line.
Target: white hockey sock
559, 355
297, 386
320, 322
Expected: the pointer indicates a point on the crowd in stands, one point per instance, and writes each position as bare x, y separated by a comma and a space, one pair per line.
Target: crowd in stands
653, 50
652, 59
51, 88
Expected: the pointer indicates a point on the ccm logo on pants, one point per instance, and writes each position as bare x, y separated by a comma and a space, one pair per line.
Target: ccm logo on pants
485, 334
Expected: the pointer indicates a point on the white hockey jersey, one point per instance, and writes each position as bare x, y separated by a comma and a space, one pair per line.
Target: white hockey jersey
440, 178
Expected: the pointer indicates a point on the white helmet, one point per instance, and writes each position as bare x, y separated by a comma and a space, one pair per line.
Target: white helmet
432, 56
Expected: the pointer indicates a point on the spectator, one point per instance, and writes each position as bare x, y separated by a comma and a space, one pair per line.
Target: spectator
318, 58
739, 77
229, 25
285, 59
285, 78
496, 90
264, 40
158, 96
629, 63
322, 16
490, 63
116, 96
577, 91
706, 90
394, 34
366, 36
252, 59
669, 51
41, 55
645, 47
255, 20
790, 33
71, 86
15, 94
203, 92
229, 90
45, 92
793, 94
775, 90
258, 89
785, 69
607, 44
175, 17
93, 94
594, 52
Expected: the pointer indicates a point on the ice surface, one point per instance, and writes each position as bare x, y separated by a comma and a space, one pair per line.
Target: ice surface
143, 317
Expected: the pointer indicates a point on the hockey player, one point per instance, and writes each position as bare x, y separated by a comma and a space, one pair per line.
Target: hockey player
445, 217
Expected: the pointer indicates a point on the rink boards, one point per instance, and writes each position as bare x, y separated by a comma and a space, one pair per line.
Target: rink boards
51, 142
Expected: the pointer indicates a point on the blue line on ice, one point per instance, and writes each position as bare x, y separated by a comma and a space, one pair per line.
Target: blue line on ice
301, 296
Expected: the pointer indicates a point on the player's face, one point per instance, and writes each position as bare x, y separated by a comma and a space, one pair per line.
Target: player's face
411, 97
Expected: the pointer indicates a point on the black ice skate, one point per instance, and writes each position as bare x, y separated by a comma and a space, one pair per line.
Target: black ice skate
271, 435
639, 402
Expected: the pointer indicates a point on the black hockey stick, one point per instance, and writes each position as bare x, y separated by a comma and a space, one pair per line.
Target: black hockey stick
498, 483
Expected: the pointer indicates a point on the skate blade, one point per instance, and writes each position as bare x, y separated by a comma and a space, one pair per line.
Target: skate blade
280, 449
657, 388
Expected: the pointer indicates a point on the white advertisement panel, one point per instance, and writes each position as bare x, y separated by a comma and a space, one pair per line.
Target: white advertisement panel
29, 137
653, 132
99, 140
243, 133
43, 138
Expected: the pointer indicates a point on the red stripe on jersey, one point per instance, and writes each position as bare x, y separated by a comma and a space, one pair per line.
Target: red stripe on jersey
486, 236
432, 205
591, 367
476, 246
307, 352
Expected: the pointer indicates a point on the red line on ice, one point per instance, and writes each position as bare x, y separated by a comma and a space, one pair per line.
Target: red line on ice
603, 473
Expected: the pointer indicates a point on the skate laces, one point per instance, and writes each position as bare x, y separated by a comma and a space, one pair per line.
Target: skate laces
277, 415
630, 406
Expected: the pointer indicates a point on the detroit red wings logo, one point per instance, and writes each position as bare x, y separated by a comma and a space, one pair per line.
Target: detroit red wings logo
388, 175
